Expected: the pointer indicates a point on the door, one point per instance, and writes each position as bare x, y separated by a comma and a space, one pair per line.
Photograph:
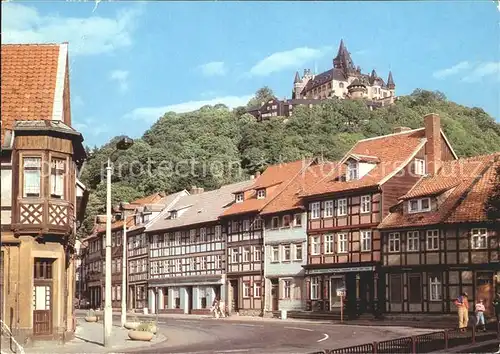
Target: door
189, 298
336, 282
42, 296
275, 297
234, 298
485, 291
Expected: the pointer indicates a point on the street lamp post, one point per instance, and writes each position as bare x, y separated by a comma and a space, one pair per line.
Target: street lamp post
123, 144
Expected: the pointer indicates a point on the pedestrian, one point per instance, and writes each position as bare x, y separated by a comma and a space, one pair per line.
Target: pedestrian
480, 314
496, 305
462, 304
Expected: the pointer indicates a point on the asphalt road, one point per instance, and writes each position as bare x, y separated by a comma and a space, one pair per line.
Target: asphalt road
263, 336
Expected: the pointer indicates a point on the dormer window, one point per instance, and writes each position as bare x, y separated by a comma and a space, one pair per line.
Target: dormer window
31, 176
419, 167
419, 205
239, 197
261, 193
352, 170
173, 214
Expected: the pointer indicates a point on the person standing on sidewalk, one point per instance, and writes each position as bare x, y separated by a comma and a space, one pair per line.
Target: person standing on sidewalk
496, 306
462, 304
480, 315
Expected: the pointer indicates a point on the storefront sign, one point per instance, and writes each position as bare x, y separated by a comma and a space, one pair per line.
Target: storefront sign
340, 270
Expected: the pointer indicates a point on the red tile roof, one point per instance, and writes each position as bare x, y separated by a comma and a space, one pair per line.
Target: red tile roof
279, 175
470, 173
392, 151
28, 82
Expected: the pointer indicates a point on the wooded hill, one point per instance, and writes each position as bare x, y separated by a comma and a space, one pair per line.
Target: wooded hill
203, 148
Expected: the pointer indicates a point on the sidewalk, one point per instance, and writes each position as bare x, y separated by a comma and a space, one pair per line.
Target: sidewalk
89, 339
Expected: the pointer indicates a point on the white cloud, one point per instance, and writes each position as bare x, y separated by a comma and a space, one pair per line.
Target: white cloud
214, 68
151, 114
484, 70
121, 77
289, 59
91, 126
455, 69
90, 35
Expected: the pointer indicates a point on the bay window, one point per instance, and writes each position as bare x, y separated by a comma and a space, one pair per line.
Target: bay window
57, 172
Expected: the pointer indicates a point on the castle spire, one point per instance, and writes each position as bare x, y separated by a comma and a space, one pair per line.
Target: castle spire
297, 77
390, 82
343, 59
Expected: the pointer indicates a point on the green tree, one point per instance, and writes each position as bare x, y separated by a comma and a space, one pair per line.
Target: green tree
263, 94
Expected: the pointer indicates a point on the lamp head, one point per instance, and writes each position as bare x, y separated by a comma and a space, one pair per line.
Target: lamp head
124, 143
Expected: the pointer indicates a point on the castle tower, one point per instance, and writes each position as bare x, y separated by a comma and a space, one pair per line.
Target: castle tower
296, 86
357, 89
343, 60
390, 84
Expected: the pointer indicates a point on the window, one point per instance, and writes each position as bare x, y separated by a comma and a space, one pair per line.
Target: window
286, 253
192, 235
328, 243
275, 254
366, 205
298, 252
203, 263
217, 232
432, 240
342, 243
315, 245
261, 193
275, 222
479, 238
352, 169
203, 234
234, 255
119, 293
31, 178
287, 284
415, 289
286, 220
257, 254
314, 288
57, 172
218, 261
434, 289
297, 220
257, 224
239, 197
413, 241
419, 167
366, 241
234, 226
246, 254
173, 214
315, 210
394, 242
419, 205
246, 290
396, 287
256, 290
328, 211
342, 207
246, 225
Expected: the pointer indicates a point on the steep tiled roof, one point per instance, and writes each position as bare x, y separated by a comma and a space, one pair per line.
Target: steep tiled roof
392, 151
289, 198
28, 82
277, 176
470, 173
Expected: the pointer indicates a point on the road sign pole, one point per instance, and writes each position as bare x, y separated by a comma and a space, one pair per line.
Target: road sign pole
341, 308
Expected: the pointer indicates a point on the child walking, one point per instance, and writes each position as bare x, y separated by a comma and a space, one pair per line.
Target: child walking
480, 315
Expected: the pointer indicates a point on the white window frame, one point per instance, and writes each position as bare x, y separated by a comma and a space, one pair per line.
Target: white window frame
315, 245
246, 290
329, 243
394, 240
203, 234
277, 223
413, 241
435, 289
32, 165
257, 253
295, 218
246, 225
314, 288
479, 238
57, 177
342, 243
366, 204
218, 261
298, 249
235, 252
239, 198
419, 165
352, 170
432, 240
261, 193
284, 249
419, 209
315, 210
218, 232
286, 220
246, 254
275, 253
257, 290
287, 288
342, 207
366, 240
328, 209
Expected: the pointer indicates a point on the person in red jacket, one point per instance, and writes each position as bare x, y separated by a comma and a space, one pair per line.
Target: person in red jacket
462, 304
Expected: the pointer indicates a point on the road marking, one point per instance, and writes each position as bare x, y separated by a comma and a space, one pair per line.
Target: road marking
234, 351
247, 325
300, 329
325, 338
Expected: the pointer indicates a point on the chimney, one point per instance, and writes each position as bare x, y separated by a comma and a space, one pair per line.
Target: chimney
257, 174
400, 129
432, 124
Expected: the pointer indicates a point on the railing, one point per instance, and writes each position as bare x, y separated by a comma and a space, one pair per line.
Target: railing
423, 343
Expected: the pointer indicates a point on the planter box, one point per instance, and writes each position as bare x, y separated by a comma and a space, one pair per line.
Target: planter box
140, 335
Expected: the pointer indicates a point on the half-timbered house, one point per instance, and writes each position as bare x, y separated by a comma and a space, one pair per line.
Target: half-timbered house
437, 241
245, 237
187, 252
41, 201
345, 208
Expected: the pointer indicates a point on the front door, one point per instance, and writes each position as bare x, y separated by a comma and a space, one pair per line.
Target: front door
275, 297
485, 290
234, 299
336, 283
189, 298
42, 297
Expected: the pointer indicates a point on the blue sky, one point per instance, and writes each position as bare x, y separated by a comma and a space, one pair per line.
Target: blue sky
131, 62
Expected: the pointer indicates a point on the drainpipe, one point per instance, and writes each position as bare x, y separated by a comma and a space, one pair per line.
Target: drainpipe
263, 262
